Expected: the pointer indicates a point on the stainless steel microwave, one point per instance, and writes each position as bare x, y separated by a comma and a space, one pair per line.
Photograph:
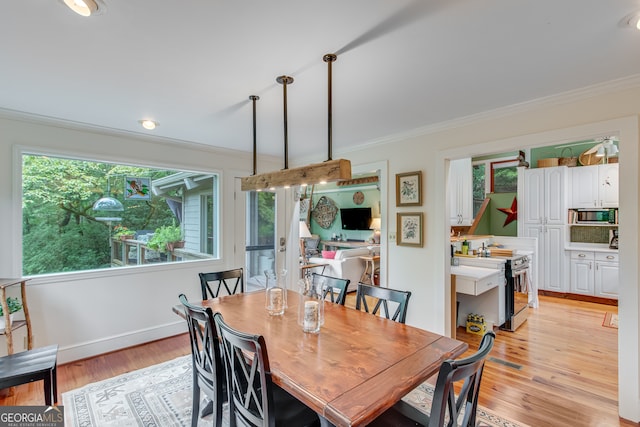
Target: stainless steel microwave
595, 216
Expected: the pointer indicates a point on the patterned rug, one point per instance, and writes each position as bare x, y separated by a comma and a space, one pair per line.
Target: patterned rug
160, 395
610, 320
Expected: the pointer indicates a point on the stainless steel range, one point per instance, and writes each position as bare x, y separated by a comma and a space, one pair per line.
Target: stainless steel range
516, 291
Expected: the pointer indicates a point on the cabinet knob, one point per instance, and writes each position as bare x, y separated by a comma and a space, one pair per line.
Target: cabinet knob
610, 257
581, 255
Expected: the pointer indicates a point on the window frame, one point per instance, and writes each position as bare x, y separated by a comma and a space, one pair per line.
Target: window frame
19, 151
499, 164
491, 165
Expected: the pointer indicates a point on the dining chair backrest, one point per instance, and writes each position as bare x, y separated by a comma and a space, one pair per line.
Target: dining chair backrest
208, 370
248, 375
380, 299
254, 400
332, 287
468, 370
212, 283
446, 408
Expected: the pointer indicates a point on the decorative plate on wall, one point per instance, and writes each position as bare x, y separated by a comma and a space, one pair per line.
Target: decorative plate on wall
325, 212
358, 197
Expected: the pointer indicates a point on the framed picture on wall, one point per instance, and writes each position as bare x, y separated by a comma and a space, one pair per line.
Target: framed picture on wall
409, 231
409, 189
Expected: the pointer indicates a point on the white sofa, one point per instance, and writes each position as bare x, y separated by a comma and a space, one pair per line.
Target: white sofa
347, 264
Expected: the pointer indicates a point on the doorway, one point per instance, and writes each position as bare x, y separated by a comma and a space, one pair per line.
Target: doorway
260, 236
628, 335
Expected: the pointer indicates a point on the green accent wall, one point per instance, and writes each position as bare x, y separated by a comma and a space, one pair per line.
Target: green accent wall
344, 199
492, 222
555, 151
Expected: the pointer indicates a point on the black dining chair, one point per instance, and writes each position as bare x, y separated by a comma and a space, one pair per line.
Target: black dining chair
212, 283
446, 407
333, 287
254, 400
380, 299
208, 370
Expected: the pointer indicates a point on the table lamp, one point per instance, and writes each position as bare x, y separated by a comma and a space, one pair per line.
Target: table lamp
375, 226
303, 234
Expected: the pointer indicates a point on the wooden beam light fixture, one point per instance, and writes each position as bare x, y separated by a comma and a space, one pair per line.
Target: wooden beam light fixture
319, 173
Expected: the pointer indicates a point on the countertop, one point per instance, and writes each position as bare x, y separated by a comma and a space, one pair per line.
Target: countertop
595, 247
469, 237
475, 273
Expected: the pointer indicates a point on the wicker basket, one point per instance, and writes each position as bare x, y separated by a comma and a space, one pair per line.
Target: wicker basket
546, 163
567, 161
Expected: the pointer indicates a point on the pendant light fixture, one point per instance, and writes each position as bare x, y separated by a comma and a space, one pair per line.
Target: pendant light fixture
330, 170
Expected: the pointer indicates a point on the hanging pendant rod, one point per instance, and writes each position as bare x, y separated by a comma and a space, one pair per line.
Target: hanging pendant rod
254, 98
284, 81
329, 58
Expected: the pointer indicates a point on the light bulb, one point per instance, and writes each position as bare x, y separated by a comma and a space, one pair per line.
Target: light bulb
82, 7
148, 124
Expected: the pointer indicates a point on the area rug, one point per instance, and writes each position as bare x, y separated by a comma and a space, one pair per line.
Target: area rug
160, 395
610, 320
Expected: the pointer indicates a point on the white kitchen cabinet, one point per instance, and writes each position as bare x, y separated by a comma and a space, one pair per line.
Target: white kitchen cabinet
582, 277
542, 213
606, 278
460, 192
594, 273
594, 186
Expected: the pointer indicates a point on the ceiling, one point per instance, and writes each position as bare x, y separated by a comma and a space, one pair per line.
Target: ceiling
402, 65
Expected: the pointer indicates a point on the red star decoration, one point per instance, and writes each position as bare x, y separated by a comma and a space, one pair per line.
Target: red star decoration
512, 212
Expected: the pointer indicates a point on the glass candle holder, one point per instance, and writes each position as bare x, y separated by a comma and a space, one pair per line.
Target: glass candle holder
276, 292
310, 306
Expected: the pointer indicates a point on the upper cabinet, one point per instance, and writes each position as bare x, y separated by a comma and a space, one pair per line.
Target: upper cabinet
595, 186
460, 192
542, 213
543, 195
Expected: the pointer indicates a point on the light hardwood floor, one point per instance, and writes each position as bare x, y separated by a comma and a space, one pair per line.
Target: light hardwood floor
558, 369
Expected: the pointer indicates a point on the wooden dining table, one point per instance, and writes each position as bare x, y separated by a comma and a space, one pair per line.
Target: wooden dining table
359, 364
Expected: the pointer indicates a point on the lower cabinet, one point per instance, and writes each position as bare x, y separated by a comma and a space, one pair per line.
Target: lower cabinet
482, 294
594, 273
606, 277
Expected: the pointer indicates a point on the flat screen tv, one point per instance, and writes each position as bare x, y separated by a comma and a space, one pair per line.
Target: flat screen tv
355, 218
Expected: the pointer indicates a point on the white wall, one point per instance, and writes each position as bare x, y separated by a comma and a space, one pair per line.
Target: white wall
577, 116
90, 313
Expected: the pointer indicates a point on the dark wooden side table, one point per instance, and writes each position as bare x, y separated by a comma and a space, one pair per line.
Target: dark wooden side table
8, 330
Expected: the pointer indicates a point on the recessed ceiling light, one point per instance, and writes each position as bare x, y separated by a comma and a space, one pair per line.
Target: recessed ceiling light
148, 124
82, 7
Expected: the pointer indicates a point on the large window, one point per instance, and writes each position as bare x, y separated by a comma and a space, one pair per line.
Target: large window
83, 215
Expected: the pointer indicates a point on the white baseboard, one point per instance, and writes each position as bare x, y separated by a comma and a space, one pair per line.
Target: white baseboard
94, 348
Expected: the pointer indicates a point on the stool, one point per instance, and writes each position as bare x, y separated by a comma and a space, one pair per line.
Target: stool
32, 365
